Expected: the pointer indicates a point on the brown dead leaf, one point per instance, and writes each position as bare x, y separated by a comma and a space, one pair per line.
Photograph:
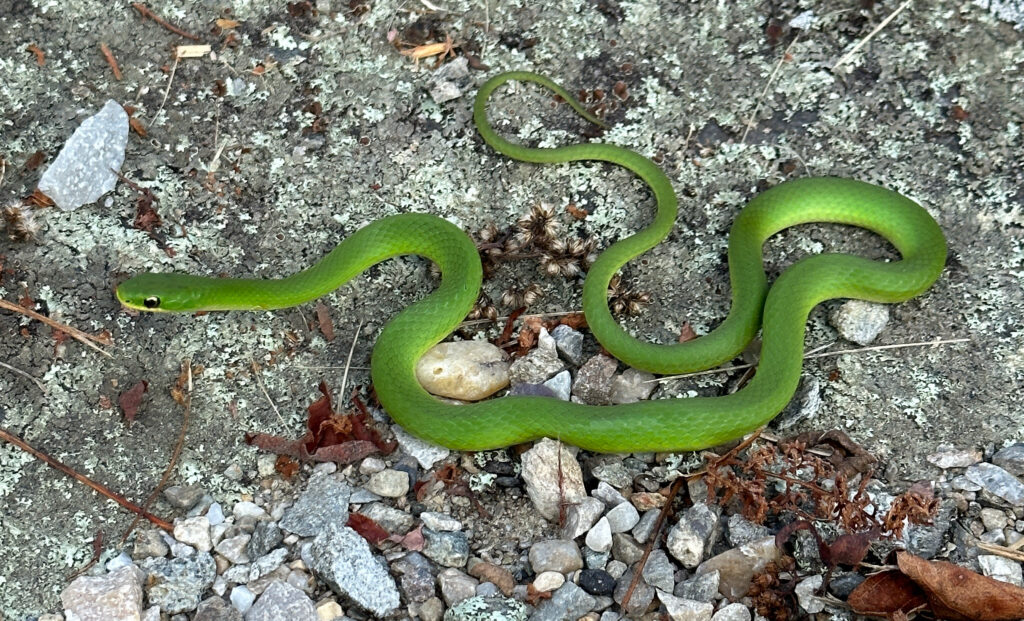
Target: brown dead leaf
959, 594
686, 333
35, 160
412, 540
886, 593
367, 528
323, 318
131, 399
287, 466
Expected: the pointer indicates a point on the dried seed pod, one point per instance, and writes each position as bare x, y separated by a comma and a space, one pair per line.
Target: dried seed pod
539, 226
21, 222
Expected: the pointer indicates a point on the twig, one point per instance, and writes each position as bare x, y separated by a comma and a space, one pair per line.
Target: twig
109, 56
814, 353
1004, 551
653, 538
42, 387
167, 91
474, 322
768, 84
75, 333
348, 361
99, 487
856, 48
259, 382
97, 549
145, 11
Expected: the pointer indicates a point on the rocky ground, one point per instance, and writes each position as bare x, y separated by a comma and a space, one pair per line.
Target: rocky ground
304, 121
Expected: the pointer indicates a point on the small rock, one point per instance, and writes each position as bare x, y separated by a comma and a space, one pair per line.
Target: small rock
593, 383
1001, 568
608, 495
282, 601
450, 549
622, 517
536, 366
330, 610
1011, 459
595, 560
416, 577
114, 596
486, 609
680, 609
425, 453
548, 581
149, 543
389, 483
700, 588
442, 92
599, 538
266, 537
464, 370
242, 598
694, 535
632, 385
993, 519
324, 502
561, 385
246, 509
642, 596
499, 576
645, 501
997, 481
177, 584
216, 609
555, 555
432, 609
741, 531
195, 532
183, 496
842, 585
732, 612
342, 559
233, 472
393, 520
215, 514
371, 465
580, 517
597, 581
455, 586
806, 593
737, 567
550, 479
615, 474
860, 321
645, 526
568, 602
569, 343
233, 549
926, 540
626, 549
949, 457
659, 571
616, 568
440, 521
267, 564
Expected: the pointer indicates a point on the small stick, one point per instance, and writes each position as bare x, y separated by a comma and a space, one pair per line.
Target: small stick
638, 569
259, 382
75, 333
109, 56
764, 93
167, 91
348, 361
99, 487
473, 322
146, 12
23, 374
885, 22
1011, 551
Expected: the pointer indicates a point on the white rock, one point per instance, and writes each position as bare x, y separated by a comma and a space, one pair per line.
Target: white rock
632, 385
247, 509
389, 483
1000, 568
599, 538
680, 609
194, 531
580, 517
859, 321
548, 581
465, 370
425, 453
242, 598
732, 612
372, 465
551, 480
440, 521
806, 594
622, 517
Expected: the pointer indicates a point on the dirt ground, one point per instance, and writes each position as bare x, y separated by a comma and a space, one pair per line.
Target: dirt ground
305, 123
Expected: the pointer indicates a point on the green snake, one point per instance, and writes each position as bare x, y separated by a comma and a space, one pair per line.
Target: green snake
657, 425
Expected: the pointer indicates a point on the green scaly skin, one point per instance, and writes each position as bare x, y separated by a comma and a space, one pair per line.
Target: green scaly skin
663, 425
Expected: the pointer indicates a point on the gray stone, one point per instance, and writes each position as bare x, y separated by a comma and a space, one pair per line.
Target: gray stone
245, 508
233, 548
701, 588
593, 383
645, 526
622, 517
581, 516
555, 555
393, 520
389, 483
552, 476
114, 596
569, 343
615, 474
282, 601
494, 608
993, 519
456, 586
267, 563
659, 572
680, 609
548, 581
568, 602
416, 577
732, 612
149, 543
323, 503
84, 168
242, 598
997, 482
177, 584
626, 549
1000, 568
694, 535
595, 560
737, 566
741, 530
599, 538
183, 496
425, 453
1011, 459
535, 367
561, 385
216, 609
342, 559
642, 596
265, 538
860, 321
608, 495
194, 531
450, 549
951, 457
632, 385
806, 594
440, 521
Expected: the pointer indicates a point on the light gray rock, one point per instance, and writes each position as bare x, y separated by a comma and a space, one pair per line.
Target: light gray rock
233, 548
393, 520
282, 601
741, 530
177, 584
425, 453
608, 495
632, 385
951, 457
194, 531
694, 535
551, 479
806, 594
639, 601
456, 586
599, 538
535, 367
1001, 568
464, 370
561, 385
997, 482
568, 602
732, 612
1011, 459
242, 598
548, 581
555, 555
859, 321
440, 521
659, 572
323, 503
116, 596
342, 559
569, 343
389, 483
701, 588
622, 517
580, 517
680, 609
183, 496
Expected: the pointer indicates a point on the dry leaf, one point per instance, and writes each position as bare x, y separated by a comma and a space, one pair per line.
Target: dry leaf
367, 528
957, 593
131, 399
886, 593
323, 318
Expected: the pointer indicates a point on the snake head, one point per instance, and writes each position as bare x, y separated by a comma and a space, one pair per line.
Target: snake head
153, 292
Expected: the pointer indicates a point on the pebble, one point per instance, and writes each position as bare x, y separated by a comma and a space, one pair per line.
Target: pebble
431, 610
246, 508
266, 564
233, 549
548, 581
599, 538
329, 610
195, 532
1011, 459
645, 526
595, 560
997, 481
84, 169
694, 535
568, 602
737, 566
593, 384
342, 559
680, 609
450, 549
806, 594
233, 472
215, 514
371, 465
494, 608
536, 367
622, 517
425, 453
440, 521
324, 502
616, 568
1001, 568
597, 581
645, 501
843, 584
555, 555
859, 321
626, 549
242, 598
455, 586
732, 612
486, 589
569, 343
282, 601
183, 496
490, 573
393, 520
264, 538
551, 480
116, 595
608, 495
149, 543
389, 483
580, 517
950, 457
642, 596
464, 370
416, 577
741, 530
177, 585
561, 385
659, 572
701, 588
993, 519
926, 540
614, 474
215, 609
632, 385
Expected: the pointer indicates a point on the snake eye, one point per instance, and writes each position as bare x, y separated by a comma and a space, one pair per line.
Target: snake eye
151, 302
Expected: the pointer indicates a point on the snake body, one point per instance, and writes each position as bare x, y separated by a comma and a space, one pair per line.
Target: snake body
659, 425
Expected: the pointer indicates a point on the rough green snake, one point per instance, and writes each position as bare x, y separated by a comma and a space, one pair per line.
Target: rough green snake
659, 425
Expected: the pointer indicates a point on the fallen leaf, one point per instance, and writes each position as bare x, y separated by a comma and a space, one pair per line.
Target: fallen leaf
886, 593
686, 333
131, 399
227, 24
286, 466
959, 594
323, 318
370, 530
412, 540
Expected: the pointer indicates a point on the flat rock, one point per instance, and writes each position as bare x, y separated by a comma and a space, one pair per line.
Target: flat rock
116, 596
464, 370
342, 559
324, 502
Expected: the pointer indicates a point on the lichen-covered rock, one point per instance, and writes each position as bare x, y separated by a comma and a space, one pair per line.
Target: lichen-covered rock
342, 559
493, 608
